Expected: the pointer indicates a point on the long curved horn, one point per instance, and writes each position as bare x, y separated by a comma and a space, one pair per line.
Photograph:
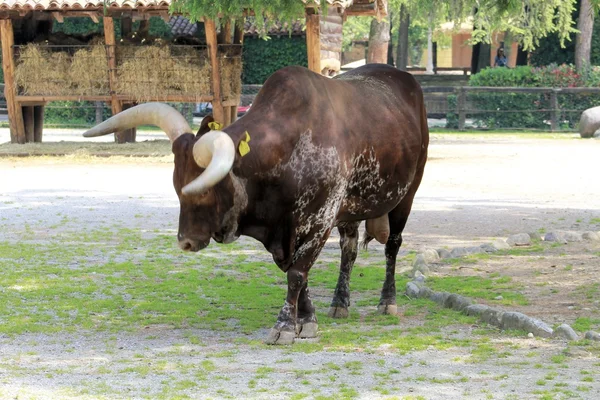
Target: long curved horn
162, 115
214, 151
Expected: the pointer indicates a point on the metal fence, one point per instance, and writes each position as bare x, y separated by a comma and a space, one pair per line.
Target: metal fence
553, 109
464, 107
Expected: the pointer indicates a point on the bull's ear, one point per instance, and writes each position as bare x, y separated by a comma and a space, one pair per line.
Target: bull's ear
204, 125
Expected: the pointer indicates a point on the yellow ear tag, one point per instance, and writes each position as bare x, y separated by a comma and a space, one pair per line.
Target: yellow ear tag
215, 126
244, 147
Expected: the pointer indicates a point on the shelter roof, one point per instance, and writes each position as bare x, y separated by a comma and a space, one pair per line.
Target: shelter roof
58, 5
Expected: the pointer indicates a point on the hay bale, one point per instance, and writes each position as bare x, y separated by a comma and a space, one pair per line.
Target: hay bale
231, 82
191, 71
89, 71
145, 74
42, 72
158, 70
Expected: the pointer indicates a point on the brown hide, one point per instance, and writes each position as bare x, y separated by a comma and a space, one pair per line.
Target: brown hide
322, 151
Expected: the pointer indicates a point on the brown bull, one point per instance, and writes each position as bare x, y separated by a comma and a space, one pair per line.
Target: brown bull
324, 153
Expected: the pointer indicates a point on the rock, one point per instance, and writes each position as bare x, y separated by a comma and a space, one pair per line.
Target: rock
589, 122
426, 293
498, 298
535, 235
419, 260
412, 290
592, 335
597, 134
431, 256
476, 310
500, 244
520, 239
590, 236
443, 253
459, 252
517, 320
487, 248
565, 331
492, 316
423, 269
474, 250
419, 265
573, 237
457, 302
440, 297
419, 280
557, 237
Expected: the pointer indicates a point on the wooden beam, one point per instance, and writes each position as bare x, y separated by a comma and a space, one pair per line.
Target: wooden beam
109, 39
15, 115
40, 100
238, 33
213, 51
313, 42
58, 16
38, 123
224, 36
28, 123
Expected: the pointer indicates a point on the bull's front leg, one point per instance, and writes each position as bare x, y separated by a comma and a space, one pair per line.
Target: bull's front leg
284, 331
297, 316
349, 246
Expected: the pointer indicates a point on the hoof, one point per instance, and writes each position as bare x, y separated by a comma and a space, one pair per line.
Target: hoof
338, 312
308, 330
390, 309
280, 337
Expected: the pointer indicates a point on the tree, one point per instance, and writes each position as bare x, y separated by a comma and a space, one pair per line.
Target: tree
583, 43
402, 48
379, 37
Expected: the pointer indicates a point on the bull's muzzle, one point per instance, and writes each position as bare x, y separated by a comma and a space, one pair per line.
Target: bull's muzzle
188, 244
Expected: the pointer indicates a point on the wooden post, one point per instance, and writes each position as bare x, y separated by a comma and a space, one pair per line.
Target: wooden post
460, 108
313, 41
115, 104
15, 115
38, 123
238, 38
554, 122
28, 123
213, 51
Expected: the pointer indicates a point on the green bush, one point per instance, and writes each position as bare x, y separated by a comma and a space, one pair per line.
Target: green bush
263, 57
528, 110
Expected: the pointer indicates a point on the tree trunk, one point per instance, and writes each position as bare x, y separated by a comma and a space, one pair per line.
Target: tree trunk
402, 49
522, 56
390, 50
583, 44
379, 36
429, 68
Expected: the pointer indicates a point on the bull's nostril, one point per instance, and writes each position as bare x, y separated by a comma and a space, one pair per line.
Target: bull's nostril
185, 245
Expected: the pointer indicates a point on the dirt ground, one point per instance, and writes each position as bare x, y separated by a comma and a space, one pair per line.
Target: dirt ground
476, 189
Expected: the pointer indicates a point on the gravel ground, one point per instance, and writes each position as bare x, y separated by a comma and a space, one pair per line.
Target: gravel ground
475, 190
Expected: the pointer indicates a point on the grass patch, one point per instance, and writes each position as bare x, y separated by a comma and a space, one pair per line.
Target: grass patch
481, 288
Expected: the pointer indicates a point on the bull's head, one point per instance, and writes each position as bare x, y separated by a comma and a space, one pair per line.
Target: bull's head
201, 177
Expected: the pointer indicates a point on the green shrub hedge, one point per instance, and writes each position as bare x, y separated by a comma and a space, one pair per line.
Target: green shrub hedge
263, 57
527, 110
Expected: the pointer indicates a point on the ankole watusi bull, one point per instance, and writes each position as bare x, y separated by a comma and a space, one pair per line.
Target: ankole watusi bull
324, 153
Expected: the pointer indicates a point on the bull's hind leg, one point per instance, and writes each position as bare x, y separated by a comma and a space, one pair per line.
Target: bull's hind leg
398, 217
349, 245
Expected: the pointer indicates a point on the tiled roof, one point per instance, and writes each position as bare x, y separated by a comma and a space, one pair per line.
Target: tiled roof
79, 4
96, 4
181, 26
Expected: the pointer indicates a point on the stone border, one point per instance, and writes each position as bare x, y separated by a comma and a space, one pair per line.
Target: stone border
502, 319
